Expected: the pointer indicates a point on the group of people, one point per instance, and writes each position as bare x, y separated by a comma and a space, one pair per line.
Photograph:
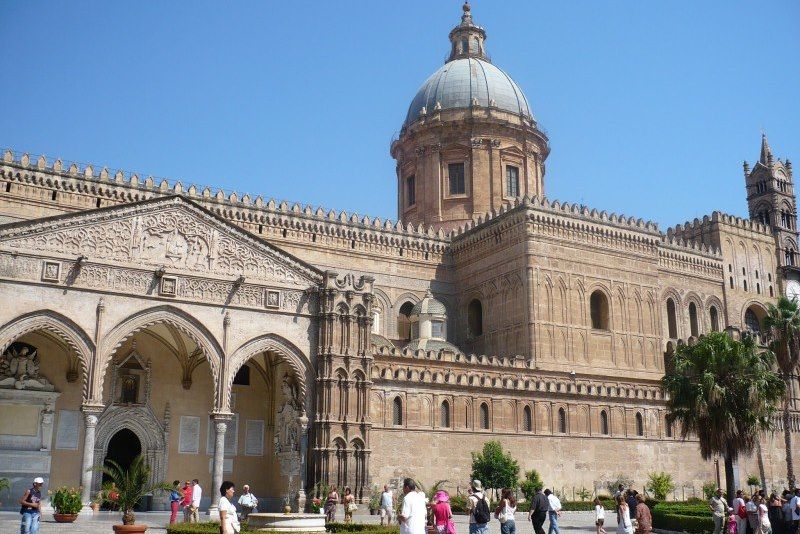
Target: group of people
188, 498
757, 514
630, 507
348, 502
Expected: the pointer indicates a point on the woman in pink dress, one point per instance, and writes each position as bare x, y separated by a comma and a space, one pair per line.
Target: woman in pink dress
442, 514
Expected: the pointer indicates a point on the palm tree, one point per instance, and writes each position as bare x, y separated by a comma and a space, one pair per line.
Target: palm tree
131, 485
783, 324
724, 392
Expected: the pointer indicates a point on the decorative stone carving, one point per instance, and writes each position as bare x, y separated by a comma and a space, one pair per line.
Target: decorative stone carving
19, 368
287, 430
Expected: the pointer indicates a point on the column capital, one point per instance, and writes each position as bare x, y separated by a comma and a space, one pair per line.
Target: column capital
221, 417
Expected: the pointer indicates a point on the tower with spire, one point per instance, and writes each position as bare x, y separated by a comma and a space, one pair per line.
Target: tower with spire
771, 201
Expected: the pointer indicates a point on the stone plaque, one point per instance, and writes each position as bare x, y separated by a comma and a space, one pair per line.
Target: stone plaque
272, 299
168, 286
68, 430
19, 419
254, 438
51, 271
189, 439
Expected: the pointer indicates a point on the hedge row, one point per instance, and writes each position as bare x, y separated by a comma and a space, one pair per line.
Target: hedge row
683, 517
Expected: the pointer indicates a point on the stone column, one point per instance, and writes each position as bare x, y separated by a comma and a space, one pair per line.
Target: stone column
220, 426
302, 424
87, 467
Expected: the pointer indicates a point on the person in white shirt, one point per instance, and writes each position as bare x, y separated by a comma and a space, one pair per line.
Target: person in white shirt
599, 517
387, 505
553, 511
228, 520
197, 495
247, 501
413, 515
794, 506
738, 503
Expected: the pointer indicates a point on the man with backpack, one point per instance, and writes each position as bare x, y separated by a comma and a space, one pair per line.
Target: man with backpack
538, 513
478, 510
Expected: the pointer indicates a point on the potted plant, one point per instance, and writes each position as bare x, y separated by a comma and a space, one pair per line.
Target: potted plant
5, 485
131, 485
67, 504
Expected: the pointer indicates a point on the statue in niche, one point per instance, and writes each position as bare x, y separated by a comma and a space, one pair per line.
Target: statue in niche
129, 393
19, 368
286, 431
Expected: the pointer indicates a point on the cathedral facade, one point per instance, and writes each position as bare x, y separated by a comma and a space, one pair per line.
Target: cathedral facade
229, 336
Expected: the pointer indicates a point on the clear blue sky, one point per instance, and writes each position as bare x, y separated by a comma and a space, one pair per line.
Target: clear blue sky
650, 106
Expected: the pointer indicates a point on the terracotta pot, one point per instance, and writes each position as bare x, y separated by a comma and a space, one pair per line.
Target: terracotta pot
130, 529
65, 518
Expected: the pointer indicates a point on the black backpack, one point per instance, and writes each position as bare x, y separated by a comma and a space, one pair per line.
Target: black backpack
481, 512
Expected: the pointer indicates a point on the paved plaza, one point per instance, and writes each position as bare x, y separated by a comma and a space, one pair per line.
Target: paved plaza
101, 523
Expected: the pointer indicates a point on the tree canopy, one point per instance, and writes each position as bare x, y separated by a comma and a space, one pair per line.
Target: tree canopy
495, 468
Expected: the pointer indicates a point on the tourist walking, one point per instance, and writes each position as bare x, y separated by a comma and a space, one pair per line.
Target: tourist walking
599, 517
630, 498
442, 514
387, 505
247, 502
644, 519
624, 524
794, 506
478, 510
741, 512
505, 511
719, 509
197, 496
330, 505
350, 506
228, 520
413, 514
187, 501
553, 511
30, 504
175, 499
538, 512
764, 524
786, 509
752, 514
775, 507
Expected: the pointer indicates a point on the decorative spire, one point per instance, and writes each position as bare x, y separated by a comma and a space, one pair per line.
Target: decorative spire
746, 168
766, 151
466, 39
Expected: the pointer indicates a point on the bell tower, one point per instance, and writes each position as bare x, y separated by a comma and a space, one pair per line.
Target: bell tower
771, 201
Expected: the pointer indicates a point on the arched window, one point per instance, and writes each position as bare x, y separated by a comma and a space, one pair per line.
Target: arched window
695, 331
604, 423
639, 425
397, 411
731, 281
770, 292
751, 321
527, 419
484, 416
758, 288
714, 315
445, 415
672, 322
376, 322
562, 421
404, 322
668, 428
475, 317
744, 285
598, 304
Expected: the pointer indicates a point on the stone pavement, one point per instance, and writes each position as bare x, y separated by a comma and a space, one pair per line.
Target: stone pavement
571, 522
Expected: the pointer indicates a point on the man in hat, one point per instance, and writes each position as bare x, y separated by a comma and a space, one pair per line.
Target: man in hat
479, 515
30, 504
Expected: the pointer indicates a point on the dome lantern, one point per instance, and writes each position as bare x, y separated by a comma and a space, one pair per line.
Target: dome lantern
467, 39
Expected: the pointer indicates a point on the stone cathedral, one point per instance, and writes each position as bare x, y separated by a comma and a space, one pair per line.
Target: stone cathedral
225, 335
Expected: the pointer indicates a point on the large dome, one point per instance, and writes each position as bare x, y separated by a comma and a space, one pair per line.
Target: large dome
468, 82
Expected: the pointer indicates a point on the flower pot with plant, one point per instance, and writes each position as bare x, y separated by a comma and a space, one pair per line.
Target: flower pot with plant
130, 485
67, 504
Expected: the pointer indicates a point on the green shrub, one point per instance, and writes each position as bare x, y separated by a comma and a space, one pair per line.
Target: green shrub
708, 489
66, 500
531, 483
683, 523
361, 527
681, 508
458, 504
660, 484
753, 480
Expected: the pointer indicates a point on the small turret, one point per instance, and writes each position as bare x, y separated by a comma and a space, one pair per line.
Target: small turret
766, 152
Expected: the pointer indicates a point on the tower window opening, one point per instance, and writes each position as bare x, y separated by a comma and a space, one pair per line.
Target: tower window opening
758, 288
604, 423
598, 304
695, 331
484, 416
465, 46
672, 322
770, 292
411, 190
55, 193
445, 415
730, 268
744, 285
98, 202
744, 271
562, 421
397, 411
512, 181
756, 274
404, 321
475, 317
731, 281
714, 316
455, 174
639, 425
769, 277
527, 419
8, 187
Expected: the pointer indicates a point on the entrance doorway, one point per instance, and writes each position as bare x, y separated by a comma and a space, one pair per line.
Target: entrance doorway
122, 449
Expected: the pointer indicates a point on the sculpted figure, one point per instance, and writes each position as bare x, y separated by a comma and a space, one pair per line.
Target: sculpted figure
20, 368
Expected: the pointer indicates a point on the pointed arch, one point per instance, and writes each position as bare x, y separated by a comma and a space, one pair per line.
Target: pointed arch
166, 314
62, 327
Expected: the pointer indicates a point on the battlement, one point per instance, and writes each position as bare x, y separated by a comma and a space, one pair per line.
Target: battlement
698, 225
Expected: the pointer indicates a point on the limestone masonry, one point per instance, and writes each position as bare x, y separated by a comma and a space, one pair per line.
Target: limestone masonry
226, 336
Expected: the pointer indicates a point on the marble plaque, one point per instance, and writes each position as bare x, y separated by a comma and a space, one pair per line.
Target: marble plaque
254, 438
19, 419
69, 422
189, 439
